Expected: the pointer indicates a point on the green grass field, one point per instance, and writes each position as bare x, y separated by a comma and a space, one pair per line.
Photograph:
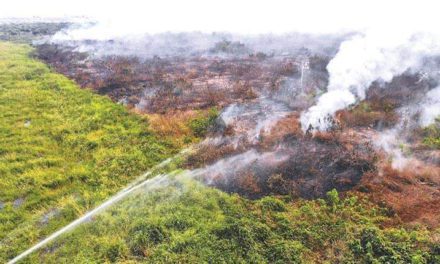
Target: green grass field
63, 150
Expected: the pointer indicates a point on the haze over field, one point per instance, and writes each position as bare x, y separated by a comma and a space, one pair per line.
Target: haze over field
228, 131
380, 39
134, 16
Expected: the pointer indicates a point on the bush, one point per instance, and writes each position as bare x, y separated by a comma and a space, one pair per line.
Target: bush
144, 235
238, 231
432, 135
333, 198
178, 222
373, 247
200, 124
116, 251
285, 252
272, 204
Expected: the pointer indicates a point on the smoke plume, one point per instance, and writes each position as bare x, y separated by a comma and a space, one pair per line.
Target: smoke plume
431, 107
377, 55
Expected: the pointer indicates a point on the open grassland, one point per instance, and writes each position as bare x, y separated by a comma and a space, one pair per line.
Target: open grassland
62, 149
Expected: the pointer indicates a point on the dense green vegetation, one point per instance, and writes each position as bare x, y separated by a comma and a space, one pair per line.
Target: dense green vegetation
432, 135
63, 150
184, 222
200, 124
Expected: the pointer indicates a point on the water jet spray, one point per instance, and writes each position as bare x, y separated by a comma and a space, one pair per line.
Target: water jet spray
136, 185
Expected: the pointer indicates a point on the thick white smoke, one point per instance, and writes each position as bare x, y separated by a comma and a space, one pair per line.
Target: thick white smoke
431, 107
375, 55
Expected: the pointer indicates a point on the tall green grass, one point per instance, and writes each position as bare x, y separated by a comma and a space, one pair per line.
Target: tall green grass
182, 221
62, 149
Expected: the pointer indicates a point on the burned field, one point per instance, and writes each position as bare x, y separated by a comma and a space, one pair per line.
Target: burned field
256, 146
184, 83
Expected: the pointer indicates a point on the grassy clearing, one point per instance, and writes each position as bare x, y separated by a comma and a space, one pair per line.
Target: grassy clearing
62, 149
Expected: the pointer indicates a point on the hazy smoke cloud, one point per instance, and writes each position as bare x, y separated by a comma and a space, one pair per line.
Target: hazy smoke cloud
431, 107
375, 55
392, 144
102, 39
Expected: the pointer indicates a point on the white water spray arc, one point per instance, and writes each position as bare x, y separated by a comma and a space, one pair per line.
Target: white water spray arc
138, 184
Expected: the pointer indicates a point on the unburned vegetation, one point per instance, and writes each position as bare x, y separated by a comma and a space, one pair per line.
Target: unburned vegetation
188, 222
63, 150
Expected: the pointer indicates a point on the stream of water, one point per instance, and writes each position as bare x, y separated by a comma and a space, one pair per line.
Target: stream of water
141, 182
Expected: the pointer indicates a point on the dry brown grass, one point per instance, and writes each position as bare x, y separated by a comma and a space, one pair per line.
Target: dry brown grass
208, 154
360, 118
244, 90
413, 192
214, 97
192, 74
248, 184
277, 184
322, 136
173, 125
289, 125
287, 69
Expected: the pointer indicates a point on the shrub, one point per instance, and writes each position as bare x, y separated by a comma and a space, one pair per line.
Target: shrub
278, 184
272, 204
373, 247
432, 135
200, 124
238, 231
333, 198
144, 235
178, 222
116, 251
285, 252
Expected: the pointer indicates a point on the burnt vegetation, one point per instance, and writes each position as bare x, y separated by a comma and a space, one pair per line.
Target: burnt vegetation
163, 84
170, 89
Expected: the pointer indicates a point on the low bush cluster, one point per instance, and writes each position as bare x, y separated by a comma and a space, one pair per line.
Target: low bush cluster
432, 135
